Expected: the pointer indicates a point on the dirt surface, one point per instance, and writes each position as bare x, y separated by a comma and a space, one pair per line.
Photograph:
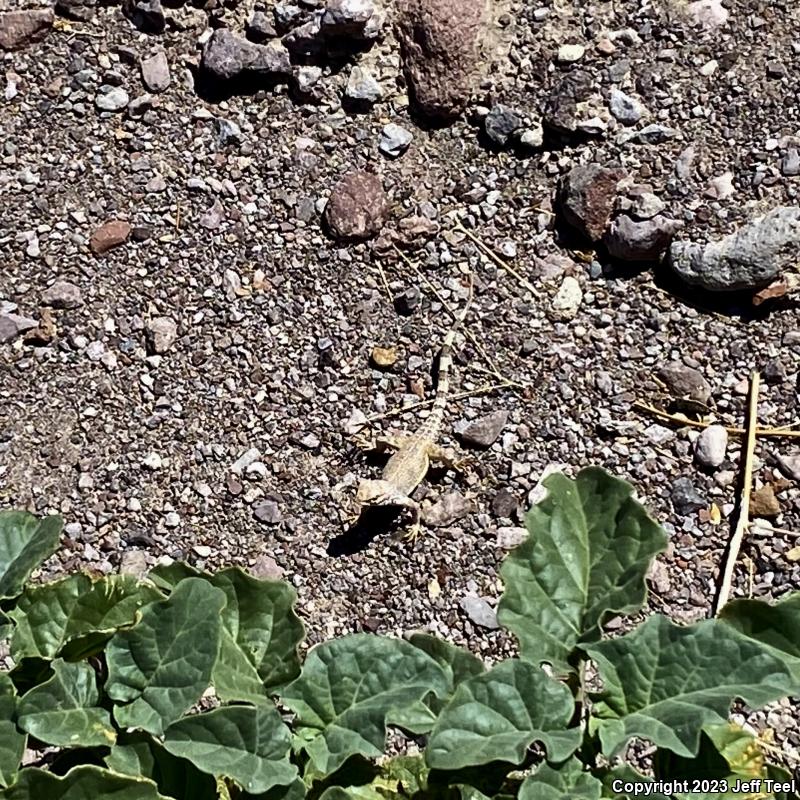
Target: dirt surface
275, 323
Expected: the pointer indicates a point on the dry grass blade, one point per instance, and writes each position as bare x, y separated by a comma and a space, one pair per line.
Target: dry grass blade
743, 516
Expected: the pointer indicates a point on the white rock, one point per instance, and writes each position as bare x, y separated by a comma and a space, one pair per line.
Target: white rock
152, 461
569, 53
711, 446
245, 460
568, 299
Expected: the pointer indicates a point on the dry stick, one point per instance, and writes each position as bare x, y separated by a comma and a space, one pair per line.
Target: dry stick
781, 432
499, 261
385, 283
463, 395
494, 371
743, 518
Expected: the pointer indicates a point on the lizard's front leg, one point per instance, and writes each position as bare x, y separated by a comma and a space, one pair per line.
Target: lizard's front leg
382, 443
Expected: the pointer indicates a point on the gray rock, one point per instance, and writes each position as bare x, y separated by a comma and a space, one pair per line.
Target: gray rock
245, 460
133, 562
307, 76
789, 465
505, 503
532, 137
479, 612
155, 72
686, 498
509, 537
228, 132
356, 18
266, 568
111, 98
62, 294
268, 512
711, 446
362, 87
586, 198
646, 205
227, 56
483, 432
213, 216
654, 134
287, 16
161, 334
790, 165
685, 382
21, 28
626, 109
452, 507
146, 15
12, 325
80, 10
441, 47
395, 140
640, 240
260, 27
357, 207
750, 258
501, 123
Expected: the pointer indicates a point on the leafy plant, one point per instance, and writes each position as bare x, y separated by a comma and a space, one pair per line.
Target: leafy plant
189, 686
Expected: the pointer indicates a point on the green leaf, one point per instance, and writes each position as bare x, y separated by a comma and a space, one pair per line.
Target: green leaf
457, 664
664, 682
25, 542
139, 754
12, 742
776, 626
350, 688
589, 547
260, 636
566, 781
78, 611
162, 665
296, 790
64, 710
248, 745
167, 576
81, 783
497, 716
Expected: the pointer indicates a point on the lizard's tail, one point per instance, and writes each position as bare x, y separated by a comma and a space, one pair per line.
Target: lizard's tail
433, 423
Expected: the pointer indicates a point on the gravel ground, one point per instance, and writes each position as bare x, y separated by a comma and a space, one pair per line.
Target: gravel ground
275, 322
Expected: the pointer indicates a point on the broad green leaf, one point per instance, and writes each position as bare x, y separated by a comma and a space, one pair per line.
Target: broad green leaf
566, 781
163, 664
248, 745
12, 742
64, 710
261, 632
296, 790
589, 547
348, 691
167, 576
498, 715
664, 682
458, 665
25, 542
776, 626
81, 783
139, 754
78, 612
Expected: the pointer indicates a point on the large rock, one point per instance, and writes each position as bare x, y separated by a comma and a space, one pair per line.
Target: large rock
109, 235
441, 44
357, 207
19, 28
359, 18
587, 196
227, 56
640, 240
146, 15
12, 325
751, 258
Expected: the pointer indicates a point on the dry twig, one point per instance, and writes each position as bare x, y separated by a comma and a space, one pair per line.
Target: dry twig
743, 516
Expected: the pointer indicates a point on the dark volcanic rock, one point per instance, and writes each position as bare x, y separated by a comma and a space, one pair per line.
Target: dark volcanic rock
441, 42
357, 207
146, 15
227, 56
19, 28
685, 381
81, 10
587, 197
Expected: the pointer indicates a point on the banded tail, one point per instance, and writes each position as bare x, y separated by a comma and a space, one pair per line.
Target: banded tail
432, 425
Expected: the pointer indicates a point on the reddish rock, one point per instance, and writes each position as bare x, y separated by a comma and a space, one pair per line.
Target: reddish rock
587, 196
109, 235
441, 44
357, 207
18, 28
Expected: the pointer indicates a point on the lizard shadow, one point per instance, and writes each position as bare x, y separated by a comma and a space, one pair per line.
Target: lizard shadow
372, 522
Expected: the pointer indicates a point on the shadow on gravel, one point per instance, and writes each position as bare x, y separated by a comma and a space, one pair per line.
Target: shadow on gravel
214, 90
372, 522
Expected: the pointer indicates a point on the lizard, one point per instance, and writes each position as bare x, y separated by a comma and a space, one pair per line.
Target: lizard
414, 453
